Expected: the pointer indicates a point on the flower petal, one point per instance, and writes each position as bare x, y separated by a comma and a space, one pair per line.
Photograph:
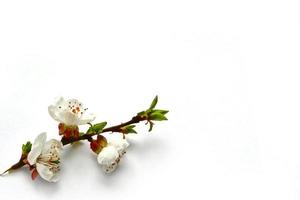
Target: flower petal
55, 177
108, 155
119, 143
45, 173
52, 144
70, 112
68, 118
56, 108
109, 168
37, 148
86, 118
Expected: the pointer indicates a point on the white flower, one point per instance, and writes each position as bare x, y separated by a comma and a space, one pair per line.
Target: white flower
70, 112
110, 156
46, 157
120, 144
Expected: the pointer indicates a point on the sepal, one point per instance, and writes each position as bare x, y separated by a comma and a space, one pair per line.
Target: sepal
98, 144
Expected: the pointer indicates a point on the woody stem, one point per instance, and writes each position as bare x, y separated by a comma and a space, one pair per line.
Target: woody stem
117, 128
18, 165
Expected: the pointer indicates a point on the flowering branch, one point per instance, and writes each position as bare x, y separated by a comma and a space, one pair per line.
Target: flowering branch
117, 128
43, 157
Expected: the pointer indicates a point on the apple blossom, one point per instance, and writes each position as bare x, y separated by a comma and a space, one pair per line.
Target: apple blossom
45, 157
70, 112
110, 156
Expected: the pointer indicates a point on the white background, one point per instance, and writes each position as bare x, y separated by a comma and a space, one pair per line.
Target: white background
228, 71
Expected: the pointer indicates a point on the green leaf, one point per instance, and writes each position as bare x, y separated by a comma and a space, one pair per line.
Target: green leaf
96, 128
26, 148
128, 129
81, 133
160, 111
154, 102
132, 131
156, 116
100, 126
141, 113
129, 126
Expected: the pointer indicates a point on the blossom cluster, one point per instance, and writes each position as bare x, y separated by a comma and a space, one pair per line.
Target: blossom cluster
44, 157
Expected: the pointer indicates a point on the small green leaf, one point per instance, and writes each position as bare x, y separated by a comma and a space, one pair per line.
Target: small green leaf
100, 126
81, 133
128, 129
26, 148
96, 128
132, 131
154, 102
157, 116
141, 113
160, 111
129, 126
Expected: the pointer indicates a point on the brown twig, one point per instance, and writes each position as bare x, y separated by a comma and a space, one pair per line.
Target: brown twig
117, 128
18, 165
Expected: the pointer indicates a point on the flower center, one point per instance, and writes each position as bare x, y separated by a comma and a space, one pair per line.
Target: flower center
75, 107
52, 162
50, 159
